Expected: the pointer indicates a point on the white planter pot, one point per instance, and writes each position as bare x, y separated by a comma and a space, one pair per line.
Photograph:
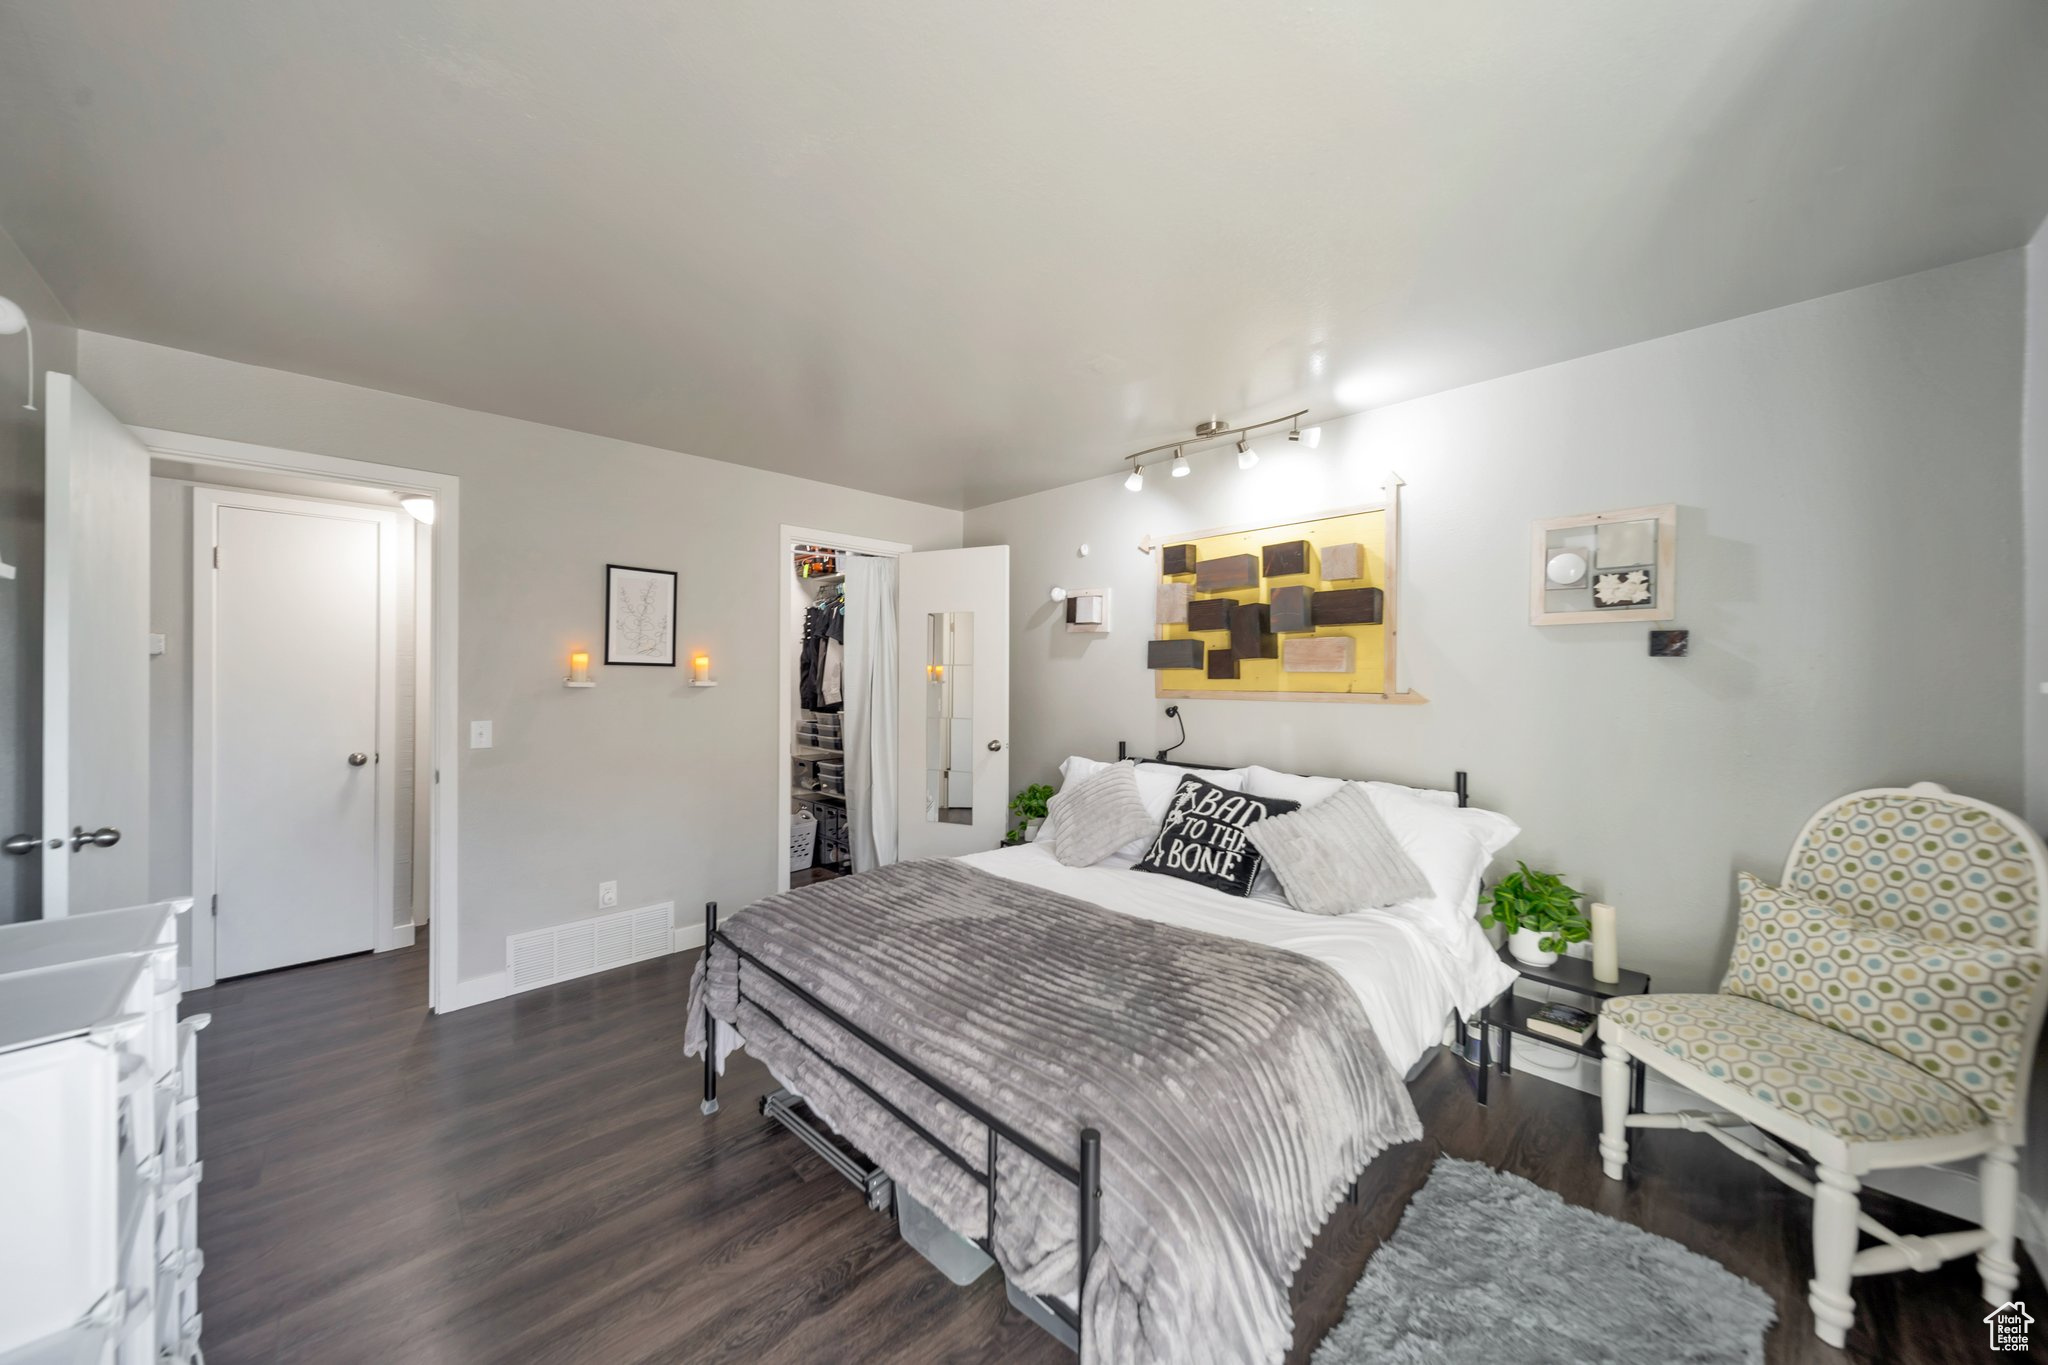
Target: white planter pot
1522, 944
1031, 828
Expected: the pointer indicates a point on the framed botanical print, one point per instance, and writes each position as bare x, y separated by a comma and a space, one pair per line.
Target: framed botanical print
1605, 567
639, 616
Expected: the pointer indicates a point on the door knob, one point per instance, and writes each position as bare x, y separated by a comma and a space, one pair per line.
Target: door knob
104, 837
358, 759
995, 746
23, 843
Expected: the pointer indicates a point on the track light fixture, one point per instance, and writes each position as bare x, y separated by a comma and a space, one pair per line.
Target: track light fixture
1212, 431
13, 319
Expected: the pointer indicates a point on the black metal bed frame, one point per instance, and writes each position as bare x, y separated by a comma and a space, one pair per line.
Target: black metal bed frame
1084, 1173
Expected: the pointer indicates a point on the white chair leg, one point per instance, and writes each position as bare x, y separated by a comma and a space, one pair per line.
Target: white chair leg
1614, 1082
1834, 1252
1998, 1180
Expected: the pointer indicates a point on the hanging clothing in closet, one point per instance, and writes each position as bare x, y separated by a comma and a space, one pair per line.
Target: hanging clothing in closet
820, 679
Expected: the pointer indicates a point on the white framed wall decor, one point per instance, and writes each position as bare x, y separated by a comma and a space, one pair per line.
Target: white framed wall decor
1605, 567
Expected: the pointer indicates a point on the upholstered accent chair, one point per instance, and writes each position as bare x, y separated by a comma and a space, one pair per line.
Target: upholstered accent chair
1880, 1010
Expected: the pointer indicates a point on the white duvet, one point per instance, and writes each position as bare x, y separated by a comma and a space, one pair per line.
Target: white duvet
1410, 968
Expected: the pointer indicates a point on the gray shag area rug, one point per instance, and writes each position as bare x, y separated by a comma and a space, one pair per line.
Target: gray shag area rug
1490, 1269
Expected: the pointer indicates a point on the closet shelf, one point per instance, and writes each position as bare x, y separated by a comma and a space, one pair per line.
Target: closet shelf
806, 752
830, 798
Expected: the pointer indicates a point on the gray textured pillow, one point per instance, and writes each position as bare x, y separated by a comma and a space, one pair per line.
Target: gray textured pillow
1338, 856
1096, 817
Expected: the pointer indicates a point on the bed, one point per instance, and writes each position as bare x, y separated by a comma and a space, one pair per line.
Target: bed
1140, 1096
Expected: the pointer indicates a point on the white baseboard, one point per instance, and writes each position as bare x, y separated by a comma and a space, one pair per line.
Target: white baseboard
1946, 1189
400, 936
689, 936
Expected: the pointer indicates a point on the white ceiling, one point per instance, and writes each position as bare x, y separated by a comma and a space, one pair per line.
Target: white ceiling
959, 251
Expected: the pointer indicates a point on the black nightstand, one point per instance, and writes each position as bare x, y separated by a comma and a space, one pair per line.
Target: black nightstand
1510, 1014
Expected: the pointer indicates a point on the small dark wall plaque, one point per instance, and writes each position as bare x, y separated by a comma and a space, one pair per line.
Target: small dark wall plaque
1288, 557
1249, 637
1210, 613
1291, 607
1222, 664
1222, 575
1177, 559
1670, 644
1173, 654
1348, 607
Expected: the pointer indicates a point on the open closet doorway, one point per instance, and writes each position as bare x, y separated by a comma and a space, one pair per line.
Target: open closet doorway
839, 705
303, 646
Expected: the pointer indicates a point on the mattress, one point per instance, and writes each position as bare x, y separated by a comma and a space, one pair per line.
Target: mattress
1409, 967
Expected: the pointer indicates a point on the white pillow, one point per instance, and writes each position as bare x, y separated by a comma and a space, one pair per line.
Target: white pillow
1452, 846
1493, 830
1309, 791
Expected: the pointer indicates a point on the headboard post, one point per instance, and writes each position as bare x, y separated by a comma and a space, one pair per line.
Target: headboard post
1463, 790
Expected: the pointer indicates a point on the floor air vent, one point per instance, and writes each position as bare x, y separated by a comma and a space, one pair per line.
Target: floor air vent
592, 945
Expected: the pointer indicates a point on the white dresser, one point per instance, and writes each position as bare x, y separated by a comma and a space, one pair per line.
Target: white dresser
99, 1153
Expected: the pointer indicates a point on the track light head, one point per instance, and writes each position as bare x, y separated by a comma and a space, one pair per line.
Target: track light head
1180, 465
1136, 481
1058, 594
1246, 456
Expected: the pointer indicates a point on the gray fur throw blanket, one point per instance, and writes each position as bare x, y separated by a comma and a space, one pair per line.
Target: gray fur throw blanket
1238, 1088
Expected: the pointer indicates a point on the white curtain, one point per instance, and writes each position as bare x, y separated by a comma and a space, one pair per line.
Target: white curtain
868, 725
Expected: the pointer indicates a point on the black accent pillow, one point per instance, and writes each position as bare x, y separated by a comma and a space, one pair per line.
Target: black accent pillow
1202, 839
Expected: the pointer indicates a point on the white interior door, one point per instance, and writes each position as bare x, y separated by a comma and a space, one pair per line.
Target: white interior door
95, 657
301, 636
953, 638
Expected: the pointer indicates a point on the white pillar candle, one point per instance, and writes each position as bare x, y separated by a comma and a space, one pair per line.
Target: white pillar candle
1606, 951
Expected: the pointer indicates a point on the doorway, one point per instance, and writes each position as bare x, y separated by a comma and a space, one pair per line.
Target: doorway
408, 769
300, 617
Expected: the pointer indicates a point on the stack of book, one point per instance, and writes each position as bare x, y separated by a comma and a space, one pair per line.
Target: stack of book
1564, 1023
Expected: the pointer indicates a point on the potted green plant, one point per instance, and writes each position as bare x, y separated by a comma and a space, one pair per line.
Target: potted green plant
1540, 913
1029, 808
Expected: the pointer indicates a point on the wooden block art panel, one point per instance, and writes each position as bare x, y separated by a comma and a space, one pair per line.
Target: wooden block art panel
1286, 559
1299, 611
1343, 561
1319, 654
1249, 637
1231, 571
1349, 607
1291, 607
1173, 654
1173, 604
1210, 613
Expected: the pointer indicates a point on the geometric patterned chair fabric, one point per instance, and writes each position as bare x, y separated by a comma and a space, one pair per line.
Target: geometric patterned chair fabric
1881, 1009
1828, 1078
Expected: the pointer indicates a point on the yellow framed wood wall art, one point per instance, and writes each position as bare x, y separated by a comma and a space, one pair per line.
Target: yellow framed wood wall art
1304, 610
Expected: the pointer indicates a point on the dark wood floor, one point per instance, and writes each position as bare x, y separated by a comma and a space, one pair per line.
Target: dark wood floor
530, 1181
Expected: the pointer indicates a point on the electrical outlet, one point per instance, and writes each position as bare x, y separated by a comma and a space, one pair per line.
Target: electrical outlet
479, 734
607, 895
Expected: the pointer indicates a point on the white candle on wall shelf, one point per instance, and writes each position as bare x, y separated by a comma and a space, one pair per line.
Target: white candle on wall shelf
1606, 950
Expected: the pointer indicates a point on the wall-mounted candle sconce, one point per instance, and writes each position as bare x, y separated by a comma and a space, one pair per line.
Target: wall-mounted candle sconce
579, 669
700, 671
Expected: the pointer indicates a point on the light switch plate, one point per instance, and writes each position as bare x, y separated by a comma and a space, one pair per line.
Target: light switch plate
479, 734
607, 895
156, 643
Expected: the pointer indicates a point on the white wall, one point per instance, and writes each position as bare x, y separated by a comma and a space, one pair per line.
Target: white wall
1848, 555
21, 545
668, 789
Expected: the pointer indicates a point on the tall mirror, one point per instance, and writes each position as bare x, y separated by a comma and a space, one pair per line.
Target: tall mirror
949, 718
